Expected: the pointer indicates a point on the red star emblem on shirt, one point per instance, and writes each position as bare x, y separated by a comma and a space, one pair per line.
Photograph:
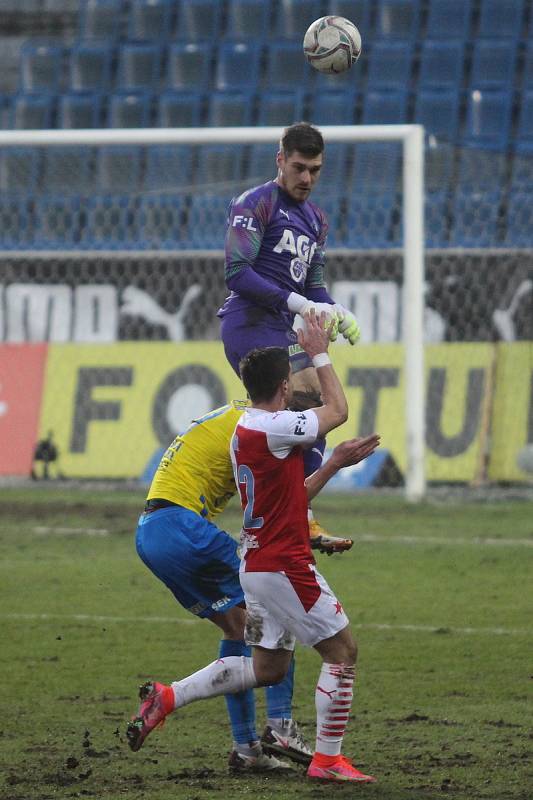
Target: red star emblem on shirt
338, 608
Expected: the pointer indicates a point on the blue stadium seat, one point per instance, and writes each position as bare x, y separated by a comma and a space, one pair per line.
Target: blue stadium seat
334, 108
357, 11
295, 16
169, 167
218, 164
330, 202
229, 109
280, 108
481, 169
139, 65
390, 65
438, 112
16, 222
68, 171
436, 218
80, 110
32, 111
58, 222
475, 219
385, 107
527, 74
261, 163
370, 221
501, 18
397, 19
493, 63
189, 65
90, 66
439, 160
237, 65
522, 175
376, 168
151, 20
248, 19
118, 169
449, 19
179, 109
441, 64
100, 19
206, 229
286, 67
19, 170
110, 223
524, 131
129, 109
488, 118
518, 230
40, 67
162, 221
333, 172
198, 19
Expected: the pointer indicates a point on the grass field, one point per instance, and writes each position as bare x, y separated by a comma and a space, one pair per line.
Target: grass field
438, 595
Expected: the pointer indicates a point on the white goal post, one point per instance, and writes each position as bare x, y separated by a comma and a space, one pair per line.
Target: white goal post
412, 139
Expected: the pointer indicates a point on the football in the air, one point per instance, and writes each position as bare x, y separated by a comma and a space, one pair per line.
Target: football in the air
332, 44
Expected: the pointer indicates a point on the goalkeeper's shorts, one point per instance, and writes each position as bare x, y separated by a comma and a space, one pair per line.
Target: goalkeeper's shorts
195, 559
240, 336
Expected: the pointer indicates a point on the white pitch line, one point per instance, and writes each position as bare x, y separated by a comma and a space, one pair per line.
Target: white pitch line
44, 531
194, 620
477, 540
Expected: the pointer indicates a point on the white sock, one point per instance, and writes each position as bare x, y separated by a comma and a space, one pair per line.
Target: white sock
333, 700
224, 676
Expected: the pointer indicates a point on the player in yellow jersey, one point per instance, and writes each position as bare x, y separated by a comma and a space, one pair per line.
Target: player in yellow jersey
179, 543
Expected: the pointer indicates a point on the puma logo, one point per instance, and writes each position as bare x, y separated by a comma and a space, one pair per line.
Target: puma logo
138, 303
285, 213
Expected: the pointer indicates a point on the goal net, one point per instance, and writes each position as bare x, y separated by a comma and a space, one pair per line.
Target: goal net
112, 274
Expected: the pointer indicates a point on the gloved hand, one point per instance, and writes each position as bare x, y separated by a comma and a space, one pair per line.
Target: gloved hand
348, 324
331, 316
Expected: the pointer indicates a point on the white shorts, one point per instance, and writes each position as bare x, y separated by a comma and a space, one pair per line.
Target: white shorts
282, 607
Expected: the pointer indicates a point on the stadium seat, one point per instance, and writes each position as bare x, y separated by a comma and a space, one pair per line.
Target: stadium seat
248, 19
501, 18
229, 109
476, 219
139, 65
295, 16
129, 110
334, 108
481, 169
100, 19
493, 63
438, 112
189, 66
527, 74
206, 229
436, 218
110, 223
522, 173
385, 107
19, 170
285, 68
179, 109
151, 20
280, 108
80, 110
376, 168
518, 231
357, 11
10, 48
90, 66
370, 221
327, 197
488, 118
198, 19
397, 19
237, 65
68, 170
118, 169
439, 161
524, 131
40, 67
390, 65
162, 221
58, 222
261, 163
449, 19
218, 164
333, 172
441, 64
16, 222
32, 111
169, 167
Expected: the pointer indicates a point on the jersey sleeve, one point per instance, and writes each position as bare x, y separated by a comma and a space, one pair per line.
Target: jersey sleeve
289, 429
315, 286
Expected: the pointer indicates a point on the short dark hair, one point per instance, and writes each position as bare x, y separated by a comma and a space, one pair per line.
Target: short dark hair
304, 138
262, 371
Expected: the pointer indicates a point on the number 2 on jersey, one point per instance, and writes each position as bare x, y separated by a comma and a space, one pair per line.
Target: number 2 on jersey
246, 477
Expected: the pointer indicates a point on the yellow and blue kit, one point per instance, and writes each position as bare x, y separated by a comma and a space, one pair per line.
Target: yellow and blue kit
177, 540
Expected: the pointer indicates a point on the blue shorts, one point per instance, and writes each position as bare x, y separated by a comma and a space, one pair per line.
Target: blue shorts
240, 337
195, 559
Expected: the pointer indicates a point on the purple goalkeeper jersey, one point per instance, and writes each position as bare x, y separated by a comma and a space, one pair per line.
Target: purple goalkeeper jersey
274, 246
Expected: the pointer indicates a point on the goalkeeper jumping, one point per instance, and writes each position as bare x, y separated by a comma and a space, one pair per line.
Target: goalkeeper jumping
274, 269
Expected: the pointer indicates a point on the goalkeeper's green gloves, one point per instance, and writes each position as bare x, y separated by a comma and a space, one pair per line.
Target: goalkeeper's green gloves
348, 324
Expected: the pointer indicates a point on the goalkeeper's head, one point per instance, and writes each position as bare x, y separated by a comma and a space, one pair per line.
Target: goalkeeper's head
266, 375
